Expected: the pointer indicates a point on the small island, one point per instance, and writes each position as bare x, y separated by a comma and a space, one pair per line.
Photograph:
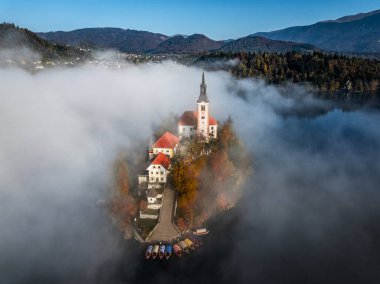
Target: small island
186, 179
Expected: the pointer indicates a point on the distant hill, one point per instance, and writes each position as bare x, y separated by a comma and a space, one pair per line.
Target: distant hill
124, 40
356, 33
261, 44
13, 39
187, 44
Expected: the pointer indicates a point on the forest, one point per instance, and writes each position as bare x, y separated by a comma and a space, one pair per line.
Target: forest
211, 182
326, 72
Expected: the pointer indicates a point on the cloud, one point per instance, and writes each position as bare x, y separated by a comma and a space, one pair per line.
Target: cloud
313, 195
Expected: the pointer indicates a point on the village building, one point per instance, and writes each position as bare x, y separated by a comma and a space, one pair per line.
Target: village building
166, 144
159, 169
199, 123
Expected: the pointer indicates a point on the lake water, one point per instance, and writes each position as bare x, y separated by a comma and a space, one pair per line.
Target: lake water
310, 212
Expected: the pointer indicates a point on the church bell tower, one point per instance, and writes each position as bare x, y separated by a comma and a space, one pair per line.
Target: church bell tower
203, 113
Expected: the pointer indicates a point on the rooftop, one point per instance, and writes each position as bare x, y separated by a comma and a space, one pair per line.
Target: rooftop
162, 160
167, 140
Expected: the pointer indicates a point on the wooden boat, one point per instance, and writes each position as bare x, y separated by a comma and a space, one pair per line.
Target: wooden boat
148, 251
184, 247
190, 244
155, 251
201, 231
197, 238
161, 252
168, 251
177, 250
194, 240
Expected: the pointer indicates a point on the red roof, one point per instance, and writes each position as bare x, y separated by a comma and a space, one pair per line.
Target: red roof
167, 140
212, 121
162, 160
190, 118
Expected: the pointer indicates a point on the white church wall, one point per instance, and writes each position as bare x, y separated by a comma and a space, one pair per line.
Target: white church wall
186, 131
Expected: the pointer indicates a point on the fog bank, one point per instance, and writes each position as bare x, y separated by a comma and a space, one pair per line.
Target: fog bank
310, 207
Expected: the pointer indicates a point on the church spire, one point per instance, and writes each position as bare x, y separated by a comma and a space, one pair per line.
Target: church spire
203, 94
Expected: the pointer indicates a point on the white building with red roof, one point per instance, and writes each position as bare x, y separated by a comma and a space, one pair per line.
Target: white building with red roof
166, 144
199, 123
159, 169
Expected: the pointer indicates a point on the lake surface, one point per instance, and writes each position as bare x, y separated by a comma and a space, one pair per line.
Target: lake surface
310, 212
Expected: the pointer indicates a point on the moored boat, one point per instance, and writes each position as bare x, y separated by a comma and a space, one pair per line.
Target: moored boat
190, 244
184, 246
161, 251
168, 251
177, 250
201, 231
198, 238
148, 251
155, 251
195, 241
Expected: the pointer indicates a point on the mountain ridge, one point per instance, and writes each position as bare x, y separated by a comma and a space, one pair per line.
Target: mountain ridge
357, 33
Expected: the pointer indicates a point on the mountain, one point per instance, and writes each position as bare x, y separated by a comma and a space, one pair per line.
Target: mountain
258, 43
20, 43
187, 44
124, 40
355, 33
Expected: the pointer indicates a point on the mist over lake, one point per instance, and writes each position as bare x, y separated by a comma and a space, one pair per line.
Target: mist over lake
309, 211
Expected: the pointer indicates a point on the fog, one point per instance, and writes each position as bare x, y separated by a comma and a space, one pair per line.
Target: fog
309, 212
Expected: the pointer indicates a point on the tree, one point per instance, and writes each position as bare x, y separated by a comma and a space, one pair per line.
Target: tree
121, 172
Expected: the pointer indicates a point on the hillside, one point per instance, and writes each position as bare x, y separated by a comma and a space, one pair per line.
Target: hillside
357, 33
330, 73
13, 39
124, 40
187, 44
261, 44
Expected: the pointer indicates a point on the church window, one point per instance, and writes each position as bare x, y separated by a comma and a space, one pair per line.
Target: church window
203, 117
154, 167
162, 173
162, 178
151, 173
183, 128
167, 151
212, 127
203, 108
156, 173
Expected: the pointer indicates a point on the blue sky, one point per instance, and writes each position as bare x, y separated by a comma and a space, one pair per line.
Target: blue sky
219, 19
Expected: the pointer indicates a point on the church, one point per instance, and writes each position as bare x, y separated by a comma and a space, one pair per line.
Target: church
199, 123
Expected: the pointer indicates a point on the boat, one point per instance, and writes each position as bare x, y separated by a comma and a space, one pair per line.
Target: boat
190, 244
161, 251
200, 232
155, 251
148, 251
168, 251
177, 250
198, 238
184, 246
195, 241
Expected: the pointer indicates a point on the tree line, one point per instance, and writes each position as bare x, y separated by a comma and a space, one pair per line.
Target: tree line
327, 72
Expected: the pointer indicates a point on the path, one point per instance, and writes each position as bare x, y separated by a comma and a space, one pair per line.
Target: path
165, 230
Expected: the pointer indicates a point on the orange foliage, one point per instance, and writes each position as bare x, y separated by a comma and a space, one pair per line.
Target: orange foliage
121, 173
